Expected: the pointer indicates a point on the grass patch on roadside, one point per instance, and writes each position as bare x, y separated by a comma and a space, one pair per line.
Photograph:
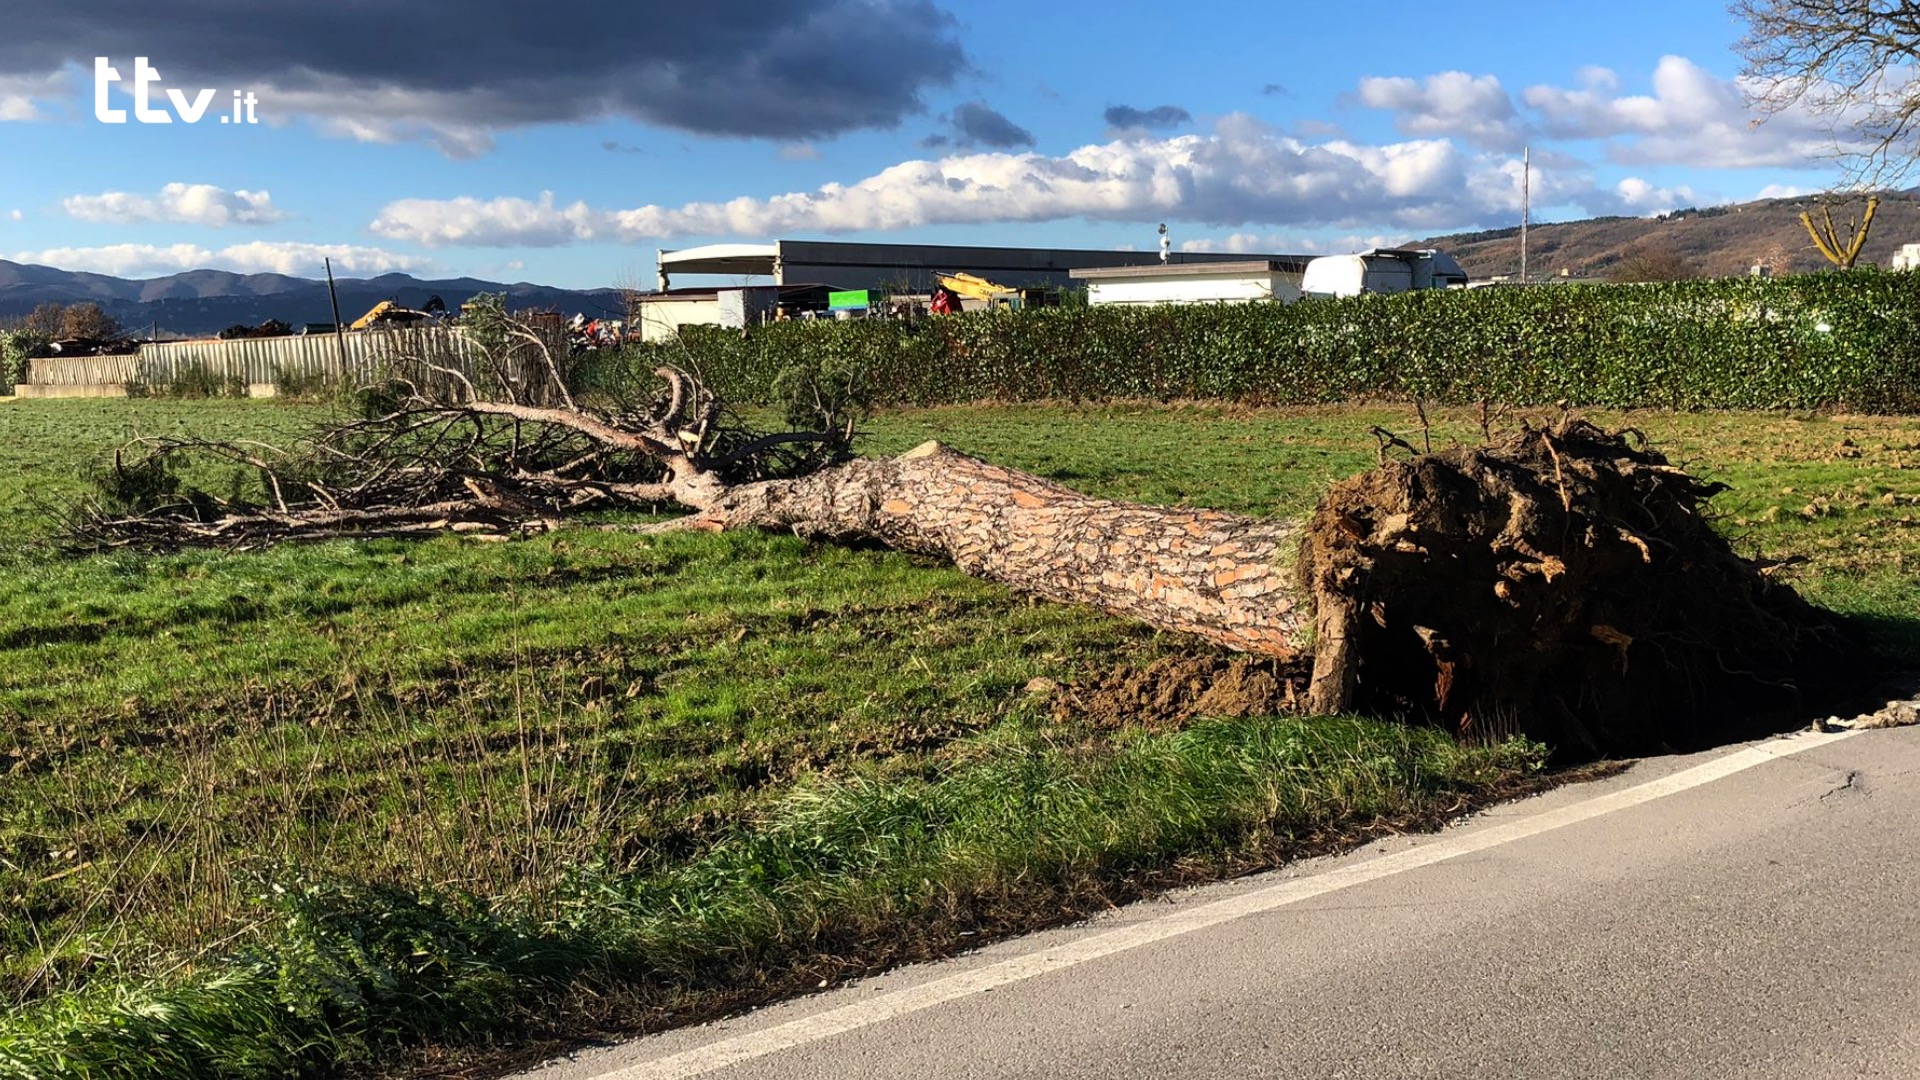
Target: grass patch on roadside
561, 768
1018, 830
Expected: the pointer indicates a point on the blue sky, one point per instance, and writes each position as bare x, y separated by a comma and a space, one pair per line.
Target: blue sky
565, 142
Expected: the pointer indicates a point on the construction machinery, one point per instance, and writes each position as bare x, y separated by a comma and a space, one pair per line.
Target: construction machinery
978, 294
388, 312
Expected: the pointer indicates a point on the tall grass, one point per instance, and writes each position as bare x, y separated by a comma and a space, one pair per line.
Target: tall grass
1020, 830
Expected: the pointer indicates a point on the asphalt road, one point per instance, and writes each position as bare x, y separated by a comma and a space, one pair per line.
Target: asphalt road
1750, 912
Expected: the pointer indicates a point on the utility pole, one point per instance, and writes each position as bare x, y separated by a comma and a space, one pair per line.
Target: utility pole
1526, 208
339, 332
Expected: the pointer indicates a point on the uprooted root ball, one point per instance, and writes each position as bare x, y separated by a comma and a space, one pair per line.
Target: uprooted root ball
1562, 583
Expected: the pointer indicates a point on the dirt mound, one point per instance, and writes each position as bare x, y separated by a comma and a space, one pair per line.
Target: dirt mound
1562, 583
1173, 690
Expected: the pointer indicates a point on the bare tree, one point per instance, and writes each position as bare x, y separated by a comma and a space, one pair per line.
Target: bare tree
1839, 243
88, 321
1850, 61
46, 320
1652, 261
1563, 582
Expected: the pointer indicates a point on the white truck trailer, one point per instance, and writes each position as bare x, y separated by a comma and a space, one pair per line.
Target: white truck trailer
1382, 270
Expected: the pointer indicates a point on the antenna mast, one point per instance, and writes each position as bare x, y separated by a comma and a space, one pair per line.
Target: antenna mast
1526, 208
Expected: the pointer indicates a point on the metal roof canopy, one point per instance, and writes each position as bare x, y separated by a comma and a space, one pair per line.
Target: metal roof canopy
756, 259
1278, 265
862, 265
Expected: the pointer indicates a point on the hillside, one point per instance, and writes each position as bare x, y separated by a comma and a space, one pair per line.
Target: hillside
207, 301
1721, 240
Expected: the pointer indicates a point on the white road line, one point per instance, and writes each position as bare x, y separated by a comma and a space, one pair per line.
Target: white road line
754, 1044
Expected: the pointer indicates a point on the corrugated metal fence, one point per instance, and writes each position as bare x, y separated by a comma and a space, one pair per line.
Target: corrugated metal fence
258, 360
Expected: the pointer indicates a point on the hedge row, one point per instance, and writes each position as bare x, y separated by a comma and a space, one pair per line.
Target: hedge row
1848, 340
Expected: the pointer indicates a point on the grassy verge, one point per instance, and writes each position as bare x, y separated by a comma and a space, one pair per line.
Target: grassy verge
312, 804
1017, 831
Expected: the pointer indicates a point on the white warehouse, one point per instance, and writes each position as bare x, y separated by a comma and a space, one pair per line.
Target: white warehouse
1281, 278
1242, 281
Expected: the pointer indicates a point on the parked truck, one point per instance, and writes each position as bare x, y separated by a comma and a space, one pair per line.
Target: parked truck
1382, 270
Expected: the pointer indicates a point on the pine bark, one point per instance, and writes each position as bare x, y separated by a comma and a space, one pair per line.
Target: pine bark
1228, 578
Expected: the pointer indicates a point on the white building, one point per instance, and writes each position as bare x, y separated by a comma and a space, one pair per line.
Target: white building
658, 316
1241, 281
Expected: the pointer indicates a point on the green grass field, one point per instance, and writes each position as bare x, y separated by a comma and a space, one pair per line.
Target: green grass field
649, 752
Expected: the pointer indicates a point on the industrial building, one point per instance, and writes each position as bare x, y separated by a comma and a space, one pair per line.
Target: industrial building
1238, 281
803, 271
1283, 278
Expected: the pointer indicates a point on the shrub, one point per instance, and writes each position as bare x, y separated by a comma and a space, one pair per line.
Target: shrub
302, 384
187, 381
18, 346
1834, 340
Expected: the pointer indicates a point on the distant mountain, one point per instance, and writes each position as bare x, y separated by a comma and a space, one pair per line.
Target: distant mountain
207, 301
1721, 241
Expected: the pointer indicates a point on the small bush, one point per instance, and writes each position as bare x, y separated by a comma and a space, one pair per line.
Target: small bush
190, 381
17, 347
302, 384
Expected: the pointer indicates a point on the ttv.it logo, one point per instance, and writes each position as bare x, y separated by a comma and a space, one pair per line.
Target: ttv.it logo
144, 76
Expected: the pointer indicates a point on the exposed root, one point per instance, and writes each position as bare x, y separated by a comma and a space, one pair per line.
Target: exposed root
1562, 583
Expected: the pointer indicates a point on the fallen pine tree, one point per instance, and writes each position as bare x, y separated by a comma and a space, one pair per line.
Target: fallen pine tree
1561, 582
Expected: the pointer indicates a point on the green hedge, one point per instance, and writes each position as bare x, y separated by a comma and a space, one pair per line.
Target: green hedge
1736, 343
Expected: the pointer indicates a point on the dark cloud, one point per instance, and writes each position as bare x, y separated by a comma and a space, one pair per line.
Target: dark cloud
1128, 118
976, 125
614, 147
789, 69
1274, 89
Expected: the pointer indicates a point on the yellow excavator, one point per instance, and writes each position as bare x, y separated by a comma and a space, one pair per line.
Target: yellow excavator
388, 311
977, 293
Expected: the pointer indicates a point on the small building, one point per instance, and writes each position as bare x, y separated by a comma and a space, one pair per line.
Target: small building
1240, 281
1907, 258
658, 316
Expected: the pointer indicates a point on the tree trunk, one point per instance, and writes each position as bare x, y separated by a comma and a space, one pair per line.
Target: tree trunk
1224, 577
1562, 585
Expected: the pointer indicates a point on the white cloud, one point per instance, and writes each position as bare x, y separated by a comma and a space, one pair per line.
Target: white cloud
21, 95
1783, 191
1636, 196
1243, 172
1474, 108
186, 204
1281, 243
15, 215
799, 151
1692, 118
1237, 243
504, 222
258, 257
347, 108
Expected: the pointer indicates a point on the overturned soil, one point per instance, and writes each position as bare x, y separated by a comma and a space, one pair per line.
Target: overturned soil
1175, 689
1565, 583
